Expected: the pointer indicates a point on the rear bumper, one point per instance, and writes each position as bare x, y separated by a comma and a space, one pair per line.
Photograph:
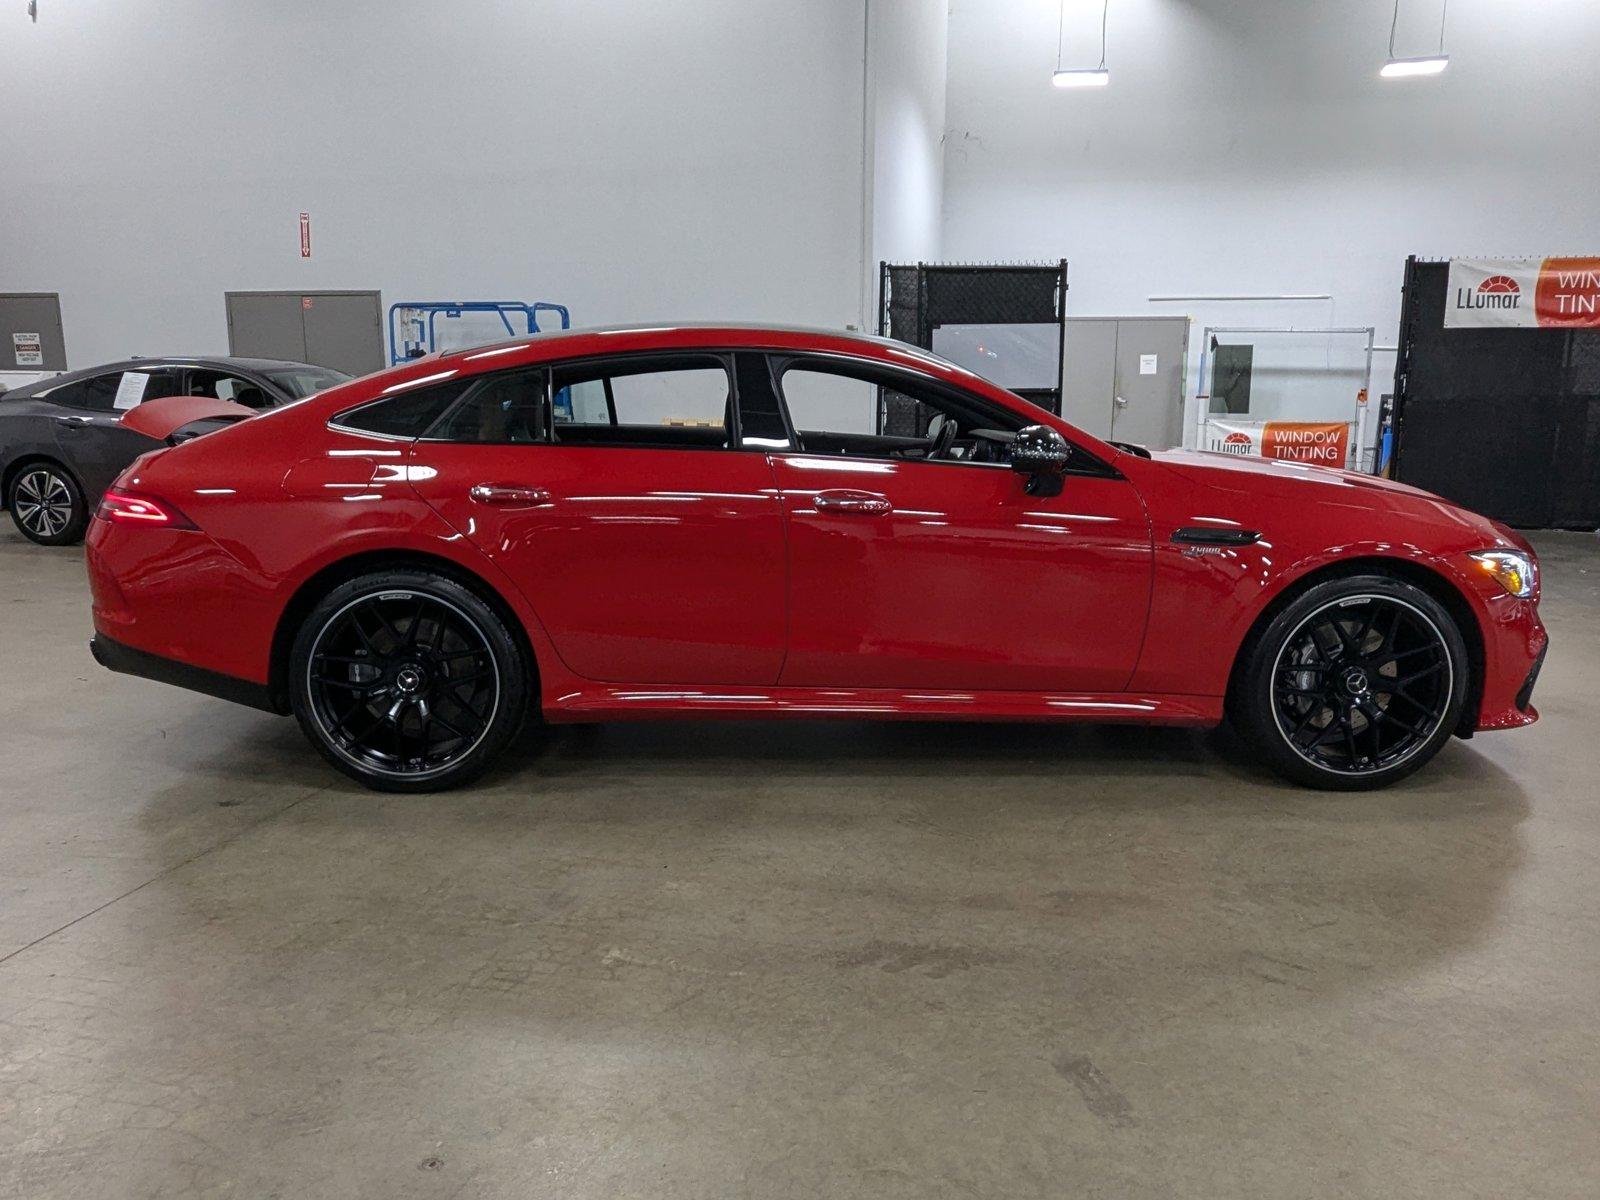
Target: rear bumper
118, 656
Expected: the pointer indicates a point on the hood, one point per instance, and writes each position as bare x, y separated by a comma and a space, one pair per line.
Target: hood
1348, 505
160, 419
1242, 470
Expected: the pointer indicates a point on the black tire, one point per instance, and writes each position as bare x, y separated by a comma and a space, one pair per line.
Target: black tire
1354, 684
408, 682
47, 505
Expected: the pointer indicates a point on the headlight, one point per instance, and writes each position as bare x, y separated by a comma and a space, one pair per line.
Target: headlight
1513, 570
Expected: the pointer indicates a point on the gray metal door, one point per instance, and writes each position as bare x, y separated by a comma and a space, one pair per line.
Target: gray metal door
266, 325
30, 332
1089, 373
1147, 405
342, 330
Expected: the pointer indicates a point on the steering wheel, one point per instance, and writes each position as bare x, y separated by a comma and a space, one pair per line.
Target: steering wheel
939, 444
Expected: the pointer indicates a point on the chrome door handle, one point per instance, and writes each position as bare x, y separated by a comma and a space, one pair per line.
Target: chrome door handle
1121, 403
863, 504
75, 422
509, 495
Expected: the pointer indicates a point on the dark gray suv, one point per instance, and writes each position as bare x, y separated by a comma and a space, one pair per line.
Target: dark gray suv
62, 442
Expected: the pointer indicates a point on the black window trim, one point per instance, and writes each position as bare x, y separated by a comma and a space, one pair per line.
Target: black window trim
1086, 464
548, 370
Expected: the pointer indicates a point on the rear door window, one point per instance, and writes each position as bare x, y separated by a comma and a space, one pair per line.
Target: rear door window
665, 401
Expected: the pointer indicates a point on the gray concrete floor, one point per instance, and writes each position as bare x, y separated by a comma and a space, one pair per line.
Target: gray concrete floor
789, 960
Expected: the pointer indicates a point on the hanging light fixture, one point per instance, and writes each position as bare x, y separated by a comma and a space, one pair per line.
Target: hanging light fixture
1428, 64
1077, 77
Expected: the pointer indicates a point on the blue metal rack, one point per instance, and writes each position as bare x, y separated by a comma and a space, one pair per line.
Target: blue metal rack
416, 334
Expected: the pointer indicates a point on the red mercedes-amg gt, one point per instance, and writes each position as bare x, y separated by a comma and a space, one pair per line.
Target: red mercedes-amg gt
629, 523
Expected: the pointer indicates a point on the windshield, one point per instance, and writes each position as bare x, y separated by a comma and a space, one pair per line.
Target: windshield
300, 382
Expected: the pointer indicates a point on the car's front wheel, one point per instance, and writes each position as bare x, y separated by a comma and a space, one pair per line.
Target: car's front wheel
47, 505
408, 681
1355, 684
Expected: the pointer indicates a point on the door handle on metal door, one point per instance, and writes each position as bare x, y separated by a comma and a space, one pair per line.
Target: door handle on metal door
842, 500
1121, 403
509, 495
75, 422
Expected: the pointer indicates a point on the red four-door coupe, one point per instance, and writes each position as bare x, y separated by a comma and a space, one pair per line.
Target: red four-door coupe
628, 523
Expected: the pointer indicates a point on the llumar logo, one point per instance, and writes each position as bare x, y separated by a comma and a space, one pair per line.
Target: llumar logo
1497, 291
1235, 443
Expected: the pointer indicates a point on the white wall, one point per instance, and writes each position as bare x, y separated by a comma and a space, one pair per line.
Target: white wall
638, 162
906, 91
1248, 146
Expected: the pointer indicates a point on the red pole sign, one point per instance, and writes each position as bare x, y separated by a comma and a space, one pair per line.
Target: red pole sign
305, 235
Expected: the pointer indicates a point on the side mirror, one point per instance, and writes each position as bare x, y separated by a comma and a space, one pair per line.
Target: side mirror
1041, 454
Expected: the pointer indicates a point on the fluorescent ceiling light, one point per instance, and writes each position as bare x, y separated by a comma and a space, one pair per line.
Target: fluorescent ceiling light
1395, 68
1083, 77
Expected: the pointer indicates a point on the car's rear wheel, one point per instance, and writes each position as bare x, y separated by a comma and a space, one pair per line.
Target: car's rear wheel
407, 681
47, 505
1355, 684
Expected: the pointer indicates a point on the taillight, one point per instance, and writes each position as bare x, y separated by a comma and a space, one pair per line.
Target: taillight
125, 508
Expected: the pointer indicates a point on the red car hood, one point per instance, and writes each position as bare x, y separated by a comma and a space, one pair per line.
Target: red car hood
1302, 483
160, 419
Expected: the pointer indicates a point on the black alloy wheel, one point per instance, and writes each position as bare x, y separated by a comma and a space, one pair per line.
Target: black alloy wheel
47, 505
408, 681
1355, 684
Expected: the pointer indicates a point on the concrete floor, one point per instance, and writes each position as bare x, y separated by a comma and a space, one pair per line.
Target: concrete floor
793, 960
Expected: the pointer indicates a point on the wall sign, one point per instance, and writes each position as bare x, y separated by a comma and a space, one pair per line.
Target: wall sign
1326, 443
1147, 364
28, 348
305, 235
1523, 293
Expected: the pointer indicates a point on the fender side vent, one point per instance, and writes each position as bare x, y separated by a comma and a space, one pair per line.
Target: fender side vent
1191, 535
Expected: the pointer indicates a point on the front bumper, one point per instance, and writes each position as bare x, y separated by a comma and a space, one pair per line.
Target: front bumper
1514, 646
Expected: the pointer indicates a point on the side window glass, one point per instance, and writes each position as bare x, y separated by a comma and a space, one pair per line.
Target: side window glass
222, 386
407, 415
667, 402
839, 408
99, 392
506, 408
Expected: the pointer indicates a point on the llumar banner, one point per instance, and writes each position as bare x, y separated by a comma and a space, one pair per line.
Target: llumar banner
1326, 443
1523, 293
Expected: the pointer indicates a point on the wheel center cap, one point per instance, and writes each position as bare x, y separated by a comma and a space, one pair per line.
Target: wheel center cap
1355, 682
409, 679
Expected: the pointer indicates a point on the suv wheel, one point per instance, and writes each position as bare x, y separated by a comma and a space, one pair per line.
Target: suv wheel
407, 681
1354, 685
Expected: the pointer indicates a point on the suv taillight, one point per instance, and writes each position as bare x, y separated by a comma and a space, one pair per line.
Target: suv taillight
126, 508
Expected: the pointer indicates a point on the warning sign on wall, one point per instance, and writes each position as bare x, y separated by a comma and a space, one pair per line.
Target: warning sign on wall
28, 348
1523, 293
1326, 443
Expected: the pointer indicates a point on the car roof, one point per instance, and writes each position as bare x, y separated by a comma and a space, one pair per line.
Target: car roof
219, 362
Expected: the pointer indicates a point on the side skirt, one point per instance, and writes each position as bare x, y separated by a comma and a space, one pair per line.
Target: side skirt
601, 702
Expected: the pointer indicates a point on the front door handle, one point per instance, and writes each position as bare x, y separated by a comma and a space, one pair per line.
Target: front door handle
846, 500
75, 422
510, 495
1121, 402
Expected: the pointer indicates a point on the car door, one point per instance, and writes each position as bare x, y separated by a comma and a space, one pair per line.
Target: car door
609, 491
92, 442
909, 571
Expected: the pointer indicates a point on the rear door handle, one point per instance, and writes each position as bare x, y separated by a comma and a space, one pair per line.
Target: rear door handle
75, 422
854, 503
510, 495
